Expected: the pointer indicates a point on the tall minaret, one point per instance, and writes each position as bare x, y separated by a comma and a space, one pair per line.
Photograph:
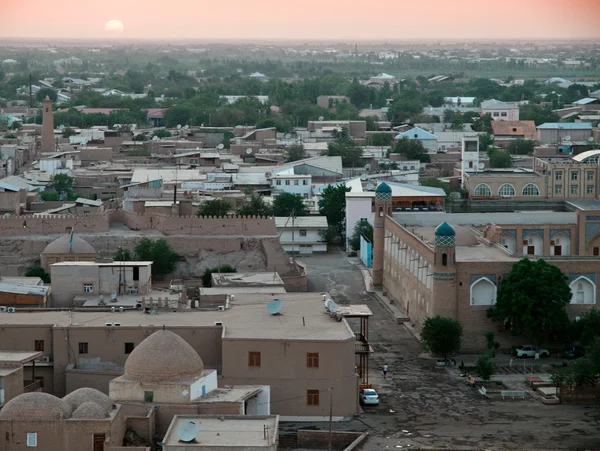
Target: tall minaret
383, 207
444, 272
48, 127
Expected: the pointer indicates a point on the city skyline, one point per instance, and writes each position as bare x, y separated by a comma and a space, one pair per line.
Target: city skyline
311, 20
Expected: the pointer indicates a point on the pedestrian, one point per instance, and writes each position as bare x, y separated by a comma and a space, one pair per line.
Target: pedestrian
385, 370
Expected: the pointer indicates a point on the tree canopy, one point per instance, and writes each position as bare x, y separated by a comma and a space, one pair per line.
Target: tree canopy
333, 205
285, 203
295, 152
441, 336
412, 149
521, 147
254, 206
38, 271
537, 114
214, 207
346, 148
499, 158
164, 259
362, 228
532, 299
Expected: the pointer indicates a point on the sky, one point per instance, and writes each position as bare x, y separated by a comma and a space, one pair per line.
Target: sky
391, 20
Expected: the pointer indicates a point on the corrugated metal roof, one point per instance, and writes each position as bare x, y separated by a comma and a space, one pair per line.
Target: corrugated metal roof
417, 133
585, 101
90, 202
565, 126
158, 203
9, 187
20, 288
585, 155
528, 218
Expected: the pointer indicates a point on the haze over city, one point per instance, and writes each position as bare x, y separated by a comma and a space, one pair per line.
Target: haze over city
310, 19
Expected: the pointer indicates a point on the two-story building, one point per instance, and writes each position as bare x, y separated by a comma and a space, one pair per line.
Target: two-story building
302, 234
500, 111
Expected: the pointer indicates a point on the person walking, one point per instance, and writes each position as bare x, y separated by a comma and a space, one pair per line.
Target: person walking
385, 370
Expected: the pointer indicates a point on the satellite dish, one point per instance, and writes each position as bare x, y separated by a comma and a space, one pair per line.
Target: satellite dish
481, 165
113, 296
220, 146
178, 126
332, 306
155, 138
591, 139
370, 186
321, 118
197, 148
274, 306
268, 174
186, 127
568, 138
188, 431
248, 150
288, 136
363, 177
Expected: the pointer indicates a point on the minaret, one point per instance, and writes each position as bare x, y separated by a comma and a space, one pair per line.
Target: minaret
383, 207
444, 272
48, 127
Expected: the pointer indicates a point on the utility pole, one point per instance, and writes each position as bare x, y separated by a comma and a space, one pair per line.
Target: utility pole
293, 214
330, 416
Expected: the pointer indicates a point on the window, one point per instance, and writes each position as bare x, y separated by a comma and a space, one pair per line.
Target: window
39, 345
296, 182
40, 379
254, 359
574, 175
444, 259
277, 182
302, 232
590, 175
495, 114
589, 189
287, 182
305, 182
83, 347
136, 273
31, 436
597, 251
558, 175
558, 189
312, 360
129, 347
312, 397
148, 396
482, 190
574, 189
506, 190
88, 287
531, 190
503, 114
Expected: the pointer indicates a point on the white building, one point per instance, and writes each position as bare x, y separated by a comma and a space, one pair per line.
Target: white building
302, 234
292, 183
500, 111
469, 156
428, 140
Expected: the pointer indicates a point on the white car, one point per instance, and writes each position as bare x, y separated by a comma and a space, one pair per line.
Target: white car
368, 396
530, 350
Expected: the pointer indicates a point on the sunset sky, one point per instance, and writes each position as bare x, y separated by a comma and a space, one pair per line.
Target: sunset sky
304, 19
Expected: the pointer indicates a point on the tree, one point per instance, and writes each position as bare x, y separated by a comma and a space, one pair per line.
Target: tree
46, 92
350, 152
254, 206
521, 147
49, 196
587, 328
537, 114
441, 336
38, 271
490, 343
412, 149
484, 367
285, 203
456, 123
295, 152
532, 300
483, 123
160, 253
499, 158
214, 207
379, 139
362, 228
68, 132
123, 255
63, 185
486, 140
207, 275
10, 136
333, 205
162, 133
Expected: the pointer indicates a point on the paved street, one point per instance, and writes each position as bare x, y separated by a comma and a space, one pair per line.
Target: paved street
433, 405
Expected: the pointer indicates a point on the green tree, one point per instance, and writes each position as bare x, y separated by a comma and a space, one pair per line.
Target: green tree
10, 136
49, 196
412, 149
254, 206
49, 92
214, 207
68, 132
160, 253
587, 328
456, 123
63, 185
484, 367
532, 300
379, 139
295, 152
441, 336
483, 124
207, 275
38, 271
486, 140
537, 114
490, 343
285, 203
162, 133
350, 152
362, 228
333, 205
521, 147
499, 158
123, 255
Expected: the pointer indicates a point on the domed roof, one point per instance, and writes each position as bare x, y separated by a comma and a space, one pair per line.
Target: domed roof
383, 188
444, 229
82, 395
163, 357
90, 410
63, 245
35, 406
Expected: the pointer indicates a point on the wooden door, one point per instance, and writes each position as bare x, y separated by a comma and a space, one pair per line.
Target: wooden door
99, 440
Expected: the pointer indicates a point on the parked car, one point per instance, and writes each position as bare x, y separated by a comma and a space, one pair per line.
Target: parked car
575, 352
529, 351
368, 396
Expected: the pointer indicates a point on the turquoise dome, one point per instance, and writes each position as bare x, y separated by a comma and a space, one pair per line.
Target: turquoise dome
384, 188
445, 229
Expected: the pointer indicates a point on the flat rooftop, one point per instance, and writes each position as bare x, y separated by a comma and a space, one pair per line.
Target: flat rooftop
303, 317
224, 291
479, 219
241, 279
584, 204
237, 393
229, 431
18, 356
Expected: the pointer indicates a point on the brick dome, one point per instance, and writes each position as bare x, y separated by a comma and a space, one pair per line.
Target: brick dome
163, 357
63, 245
90, 411
82, 395
36, 406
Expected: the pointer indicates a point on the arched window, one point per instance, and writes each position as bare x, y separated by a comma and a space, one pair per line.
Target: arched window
506, 190
583, 291
444, 259
381, 212
482, 190
531, 190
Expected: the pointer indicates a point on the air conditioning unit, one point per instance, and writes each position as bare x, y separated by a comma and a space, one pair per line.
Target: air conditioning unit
218, 324
117, 324
112, 309
109, 324
221, 308
46, 358
2, 308
11, 310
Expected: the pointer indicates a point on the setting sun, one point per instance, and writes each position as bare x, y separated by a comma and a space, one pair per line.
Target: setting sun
114, 27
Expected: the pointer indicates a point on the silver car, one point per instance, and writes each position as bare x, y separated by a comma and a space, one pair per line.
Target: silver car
368, 396
529, 351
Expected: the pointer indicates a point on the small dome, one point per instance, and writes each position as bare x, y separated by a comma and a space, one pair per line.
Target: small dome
63, 245
163, 357
82, 395
35, 406
90, 411
444, 229
384, 188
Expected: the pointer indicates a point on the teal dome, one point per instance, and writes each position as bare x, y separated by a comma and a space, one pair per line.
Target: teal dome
445, 229
384, 188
